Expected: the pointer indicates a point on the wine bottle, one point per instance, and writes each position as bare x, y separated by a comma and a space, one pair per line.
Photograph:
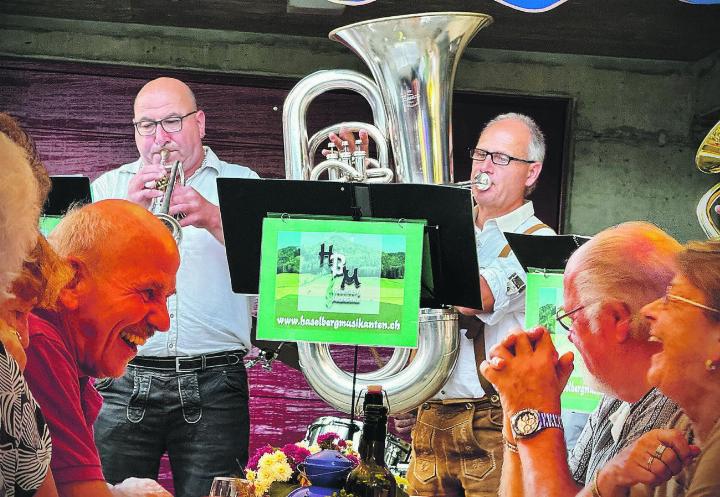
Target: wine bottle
371, 478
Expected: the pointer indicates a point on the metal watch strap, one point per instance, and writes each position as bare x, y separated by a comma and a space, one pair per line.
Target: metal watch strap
548, 420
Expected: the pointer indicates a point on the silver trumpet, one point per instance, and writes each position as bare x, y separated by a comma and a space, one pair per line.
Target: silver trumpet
413, 59
161, 206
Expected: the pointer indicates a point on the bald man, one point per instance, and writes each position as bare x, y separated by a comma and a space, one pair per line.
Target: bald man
124, 263
186, 393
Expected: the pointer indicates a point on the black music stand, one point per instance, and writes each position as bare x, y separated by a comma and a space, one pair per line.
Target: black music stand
544, 253
450, 275
66, 190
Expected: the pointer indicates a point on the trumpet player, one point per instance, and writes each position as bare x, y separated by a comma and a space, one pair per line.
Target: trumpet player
196, 403
457, 440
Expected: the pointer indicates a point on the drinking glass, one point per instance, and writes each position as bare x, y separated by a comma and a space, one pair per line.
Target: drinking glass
223, 486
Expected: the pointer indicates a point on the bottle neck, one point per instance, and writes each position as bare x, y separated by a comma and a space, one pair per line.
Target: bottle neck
372, 443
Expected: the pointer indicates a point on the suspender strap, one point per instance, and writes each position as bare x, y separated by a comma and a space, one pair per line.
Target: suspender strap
532, 229
476, 332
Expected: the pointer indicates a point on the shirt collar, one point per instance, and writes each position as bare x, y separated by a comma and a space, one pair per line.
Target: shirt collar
511, 221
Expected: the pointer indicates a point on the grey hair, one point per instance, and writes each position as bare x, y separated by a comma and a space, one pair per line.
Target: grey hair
536, 148
632, 262
699, 262
19, 211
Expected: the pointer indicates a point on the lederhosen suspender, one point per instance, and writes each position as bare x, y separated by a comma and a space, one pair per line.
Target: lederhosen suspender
476, 328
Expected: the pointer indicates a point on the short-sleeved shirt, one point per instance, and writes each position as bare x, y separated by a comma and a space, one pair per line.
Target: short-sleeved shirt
68, 400
25, 446
605, 435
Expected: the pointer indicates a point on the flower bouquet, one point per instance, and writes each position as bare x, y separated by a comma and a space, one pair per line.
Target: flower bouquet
274, 471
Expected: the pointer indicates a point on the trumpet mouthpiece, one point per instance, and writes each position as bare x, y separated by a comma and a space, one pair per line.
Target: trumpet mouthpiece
164, 153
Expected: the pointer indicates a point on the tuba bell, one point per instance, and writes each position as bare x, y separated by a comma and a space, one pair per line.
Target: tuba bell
413, 60
707, 160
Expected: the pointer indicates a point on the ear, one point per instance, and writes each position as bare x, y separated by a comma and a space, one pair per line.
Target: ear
533, 173
71, 295
200, 118
622, 320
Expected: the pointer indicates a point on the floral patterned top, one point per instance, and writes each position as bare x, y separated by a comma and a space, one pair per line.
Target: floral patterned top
25, 446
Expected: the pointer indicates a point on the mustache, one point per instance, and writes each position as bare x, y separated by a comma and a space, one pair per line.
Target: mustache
140, 330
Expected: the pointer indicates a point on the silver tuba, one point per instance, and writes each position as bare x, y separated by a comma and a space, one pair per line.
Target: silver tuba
413, 60
707, 160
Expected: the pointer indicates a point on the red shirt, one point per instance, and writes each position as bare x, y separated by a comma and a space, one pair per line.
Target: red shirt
68, 400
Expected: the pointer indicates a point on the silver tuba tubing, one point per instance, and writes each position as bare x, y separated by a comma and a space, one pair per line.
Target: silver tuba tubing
298, 158
406, 389
413, 60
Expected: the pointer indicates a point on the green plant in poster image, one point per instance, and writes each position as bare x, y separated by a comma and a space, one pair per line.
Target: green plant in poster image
343, 282
544, 295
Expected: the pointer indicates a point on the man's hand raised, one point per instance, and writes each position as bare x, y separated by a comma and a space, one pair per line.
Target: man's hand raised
527, 372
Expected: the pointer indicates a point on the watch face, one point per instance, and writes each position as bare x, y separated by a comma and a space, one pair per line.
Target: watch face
526, 422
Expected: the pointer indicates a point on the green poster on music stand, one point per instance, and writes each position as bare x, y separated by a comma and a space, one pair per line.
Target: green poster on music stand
340, 281
544, 295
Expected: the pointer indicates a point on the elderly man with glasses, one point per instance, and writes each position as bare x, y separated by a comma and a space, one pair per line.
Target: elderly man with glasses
607, 282
186, 392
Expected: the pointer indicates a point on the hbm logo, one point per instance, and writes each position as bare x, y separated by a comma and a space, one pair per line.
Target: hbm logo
338, 269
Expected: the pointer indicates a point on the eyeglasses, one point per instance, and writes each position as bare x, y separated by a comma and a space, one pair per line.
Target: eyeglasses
565, 318
497, 158
169, 124
669, 296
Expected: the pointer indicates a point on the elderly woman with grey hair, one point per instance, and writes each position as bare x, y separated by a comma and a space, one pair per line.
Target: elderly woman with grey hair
684, 459
26, 449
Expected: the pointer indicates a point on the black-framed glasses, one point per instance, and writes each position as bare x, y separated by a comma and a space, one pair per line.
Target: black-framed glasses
497, 158
169, 124
669, 296
565, 318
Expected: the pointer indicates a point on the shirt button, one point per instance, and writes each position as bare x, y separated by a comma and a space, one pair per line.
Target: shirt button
172, 315
442, 392
171, 346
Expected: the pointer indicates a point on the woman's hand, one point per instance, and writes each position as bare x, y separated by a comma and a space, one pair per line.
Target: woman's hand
652, 459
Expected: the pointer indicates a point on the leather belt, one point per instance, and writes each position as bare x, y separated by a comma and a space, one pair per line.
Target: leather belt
188, 364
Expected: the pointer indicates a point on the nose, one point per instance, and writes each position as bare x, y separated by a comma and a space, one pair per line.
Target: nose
159, 317
649, 311
484, 166
161, 136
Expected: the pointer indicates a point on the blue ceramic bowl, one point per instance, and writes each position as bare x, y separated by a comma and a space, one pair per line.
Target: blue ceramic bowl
327, 468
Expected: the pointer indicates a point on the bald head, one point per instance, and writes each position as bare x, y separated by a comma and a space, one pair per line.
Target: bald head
19, 210
110, 229
166, 87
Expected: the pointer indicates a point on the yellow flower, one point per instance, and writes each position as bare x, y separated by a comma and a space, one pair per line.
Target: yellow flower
283, 471
250, 475
278, 456
261, 486
314, 448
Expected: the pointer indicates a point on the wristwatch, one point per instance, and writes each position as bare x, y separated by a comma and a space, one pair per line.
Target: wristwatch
528, 422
